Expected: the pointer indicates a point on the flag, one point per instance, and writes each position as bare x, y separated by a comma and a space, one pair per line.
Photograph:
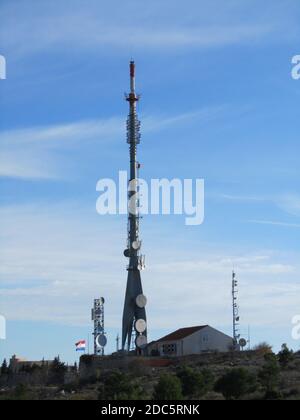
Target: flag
81, 345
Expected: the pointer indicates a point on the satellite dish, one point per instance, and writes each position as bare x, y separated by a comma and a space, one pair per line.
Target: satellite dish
127, 253
141, 301
101, 340
141, 341
102, 300
140, 325
136, 245
243, 342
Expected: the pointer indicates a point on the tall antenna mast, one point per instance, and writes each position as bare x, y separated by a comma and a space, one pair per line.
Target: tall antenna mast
134, 314
235, 311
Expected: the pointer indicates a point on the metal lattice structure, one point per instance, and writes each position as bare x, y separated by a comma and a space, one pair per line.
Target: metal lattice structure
100, 340
134, 314
235, 311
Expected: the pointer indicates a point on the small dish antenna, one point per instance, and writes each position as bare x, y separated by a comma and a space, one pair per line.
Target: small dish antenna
141, 301
101, 340
136, 245
141, 341
140, 325
243, 342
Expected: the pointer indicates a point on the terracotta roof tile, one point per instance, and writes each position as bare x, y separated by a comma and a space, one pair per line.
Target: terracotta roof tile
181, 333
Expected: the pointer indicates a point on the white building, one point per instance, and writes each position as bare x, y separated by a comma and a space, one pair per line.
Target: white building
193, 340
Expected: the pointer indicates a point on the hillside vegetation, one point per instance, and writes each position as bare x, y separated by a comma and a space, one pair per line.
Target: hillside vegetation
255, 375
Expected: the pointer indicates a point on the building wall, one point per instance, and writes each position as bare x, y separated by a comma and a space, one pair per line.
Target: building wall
207, 339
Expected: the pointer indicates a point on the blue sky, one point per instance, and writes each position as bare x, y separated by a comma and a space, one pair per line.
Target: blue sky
218, 102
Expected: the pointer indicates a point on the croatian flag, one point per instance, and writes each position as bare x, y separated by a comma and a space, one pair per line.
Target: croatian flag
81, 345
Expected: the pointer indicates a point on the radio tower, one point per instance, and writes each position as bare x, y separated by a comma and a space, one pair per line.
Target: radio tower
235, 309
100, 339
134, 315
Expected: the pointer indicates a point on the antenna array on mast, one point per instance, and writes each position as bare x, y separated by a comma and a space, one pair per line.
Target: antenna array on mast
235, 311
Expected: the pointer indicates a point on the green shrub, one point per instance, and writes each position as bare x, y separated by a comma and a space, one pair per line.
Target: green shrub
269, 374
263, 348
120, 386
209, 379
21, 392
285, 356
168, 388
192, 382
236, 383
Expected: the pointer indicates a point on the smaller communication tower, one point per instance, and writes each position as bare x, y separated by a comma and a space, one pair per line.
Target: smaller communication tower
235, 310
100, 339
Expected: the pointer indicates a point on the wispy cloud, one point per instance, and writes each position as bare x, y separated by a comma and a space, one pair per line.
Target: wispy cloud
112, 27
54, 135
242, 198
27, 165
275, 223
55, 257
39, 152
259, 264
289, 203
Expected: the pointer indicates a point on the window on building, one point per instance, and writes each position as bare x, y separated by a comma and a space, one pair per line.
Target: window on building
205, 338
169, 348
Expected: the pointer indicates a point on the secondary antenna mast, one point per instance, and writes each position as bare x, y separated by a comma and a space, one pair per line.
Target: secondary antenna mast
100, 339
235, 311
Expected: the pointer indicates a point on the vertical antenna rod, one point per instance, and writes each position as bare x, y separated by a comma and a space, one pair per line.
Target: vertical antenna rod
134, 314
235, 310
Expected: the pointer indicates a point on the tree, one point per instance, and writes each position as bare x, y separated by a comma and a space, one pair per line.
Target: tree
168, 388
285, 356
57, 371
236, 383
269, 374
192, 382
120, 386
4, 367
